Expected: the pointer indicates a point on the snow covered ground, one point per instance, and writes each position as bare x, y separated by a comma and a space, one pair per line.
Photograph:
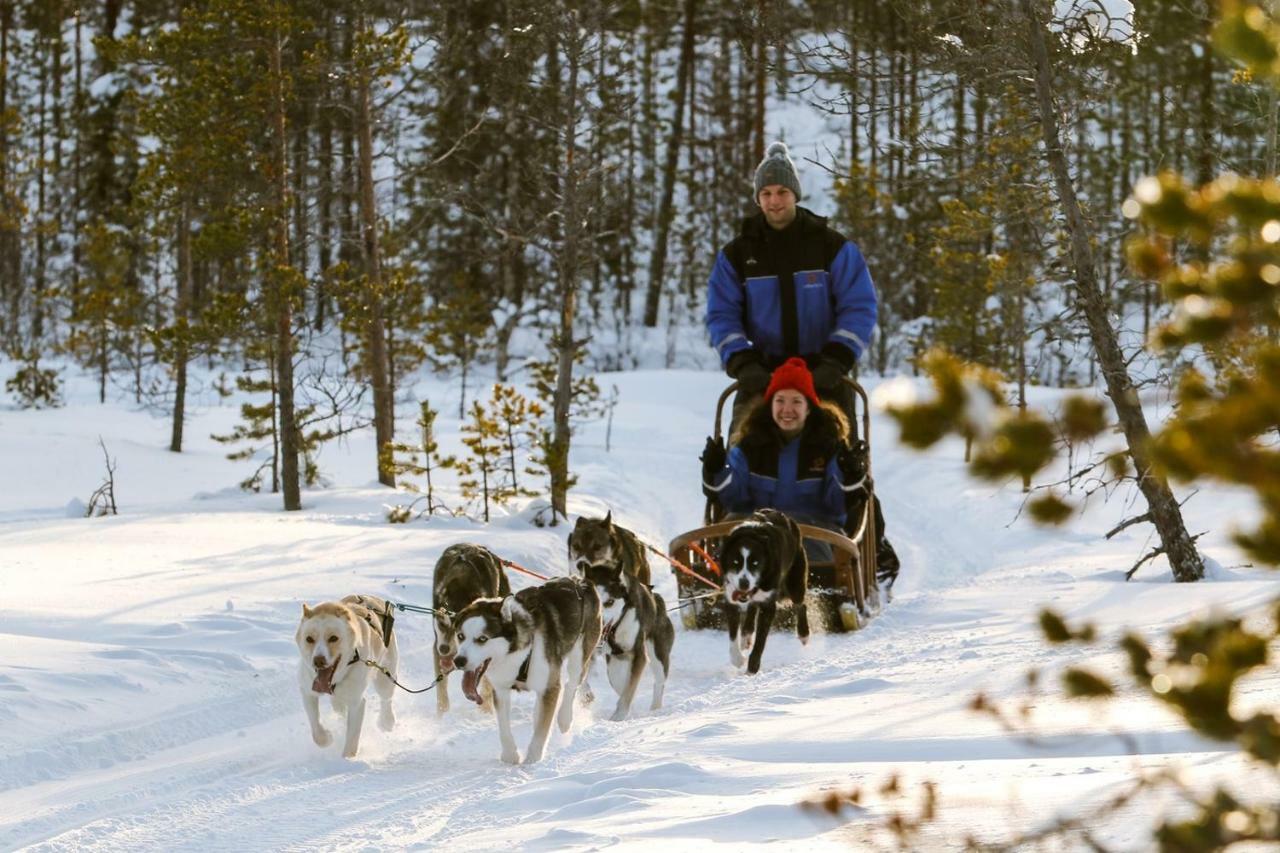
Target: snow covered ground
147, 669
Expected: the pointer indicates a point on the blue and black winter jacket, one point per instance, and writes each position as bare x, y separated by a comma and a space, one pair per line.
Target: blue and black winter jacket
790, 292
800, 477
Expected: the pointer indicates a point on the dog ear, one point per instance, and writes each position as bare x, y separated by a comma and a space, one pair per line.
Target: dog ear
512, 609
306, 611
608, 519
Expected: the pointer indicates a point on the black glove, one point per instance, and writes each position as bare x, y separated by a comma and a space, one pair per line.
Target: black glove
852, 460
713, 459
747, 366
832, 366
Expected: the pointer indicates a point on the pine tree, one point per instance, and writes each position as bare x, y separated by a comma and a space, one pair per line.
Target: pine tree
457, 332
260, 433
478, 471
258, 429
108, 306
517, 420
420, 460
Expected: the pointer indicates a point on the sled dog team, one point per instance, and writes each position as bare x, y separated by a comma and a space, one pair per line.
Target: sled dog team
543, 638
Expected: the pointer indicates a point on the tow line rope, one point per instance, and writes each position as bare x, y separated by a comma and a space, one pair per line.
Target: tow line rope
691, 599
414, 608
682, 567
519, 568
385, 672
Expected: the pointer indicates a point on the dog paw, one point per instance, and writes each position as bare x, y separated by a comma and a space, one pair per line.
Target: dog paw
804, 641
321, 737
753, 667
735, 655
619, 715
511, 757
387, 720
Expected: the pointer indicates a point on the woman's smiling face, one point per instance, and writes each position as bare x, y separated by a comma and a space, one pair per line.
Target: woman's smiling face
790, 409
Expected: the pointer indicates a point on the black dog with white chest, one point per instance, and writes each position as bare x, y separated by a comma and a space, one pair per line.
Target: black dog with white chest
763, 559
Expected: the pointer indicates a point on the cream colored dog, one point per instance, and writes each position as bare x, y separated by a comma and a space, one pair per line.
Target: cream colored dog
334, 641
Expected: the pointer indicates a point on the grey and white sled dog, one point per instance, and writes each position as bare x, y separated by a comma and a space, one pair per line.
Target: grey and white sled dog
637, 631
600, 542
334, 641
463, 574
525, 641
763, 560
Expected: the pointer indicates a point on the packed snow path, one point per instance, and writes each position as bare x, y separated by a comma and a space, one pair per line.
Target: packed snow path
148, 697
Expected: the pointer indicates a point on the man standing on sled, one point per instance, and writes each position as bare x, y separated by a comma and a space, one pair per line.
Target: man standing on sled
789, 285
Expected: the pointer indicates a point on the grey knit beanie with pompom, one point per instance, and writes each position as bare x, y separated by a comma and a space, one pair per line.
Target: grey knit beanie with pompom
777, 168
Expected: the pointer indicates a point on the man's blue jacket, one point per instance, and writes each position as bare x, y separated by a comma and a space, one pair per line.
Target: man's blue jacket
792, 292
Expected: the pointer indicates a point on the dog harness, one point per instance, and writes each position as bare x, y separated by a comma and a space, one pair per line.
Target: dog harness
522, 677
387, 621
611, 634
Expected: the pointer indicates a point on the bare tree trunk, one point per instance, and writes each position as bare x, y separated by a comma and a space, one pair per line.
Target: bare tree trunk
324, 190
1165, 512
1273, 106
77, 201
181, 311
39, 278
657, 265
567, 284
10, 247
383, 393
511, 278
283, 288
761, 83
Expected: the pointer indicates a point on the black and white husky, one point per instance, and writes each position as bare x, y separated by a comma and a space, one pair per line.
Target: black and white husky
524, 641
763, 559
636, 630
463, 574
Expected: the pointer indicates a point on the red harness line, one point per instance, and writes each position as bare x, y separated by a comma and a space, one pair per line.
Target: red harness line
679, 565
711, 561
519, 568
682, 567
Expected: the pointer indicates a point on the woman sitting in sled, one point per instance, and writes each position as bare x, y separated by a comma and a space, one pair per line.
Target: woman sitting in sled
792, 452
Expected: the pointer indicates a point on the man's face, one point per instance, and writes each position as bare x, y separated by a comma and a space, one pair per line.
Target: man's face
778, 204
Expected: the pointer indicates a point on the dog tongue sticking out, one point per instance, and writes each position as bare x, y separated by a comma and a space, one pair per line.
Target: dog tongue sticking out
324, 679
471, 683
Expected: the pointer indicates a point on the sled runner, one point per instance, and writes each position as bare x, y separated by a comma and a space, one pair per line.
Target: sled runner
843, 593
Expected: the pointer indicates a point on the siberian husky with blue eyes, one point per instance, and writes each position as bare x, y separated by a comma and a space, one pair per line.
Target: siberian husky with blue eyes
527, 641
637, 632
763, 559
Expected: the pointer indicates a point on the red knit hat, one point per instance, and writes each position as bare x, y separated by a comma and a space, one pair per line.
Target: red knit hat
793, 374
